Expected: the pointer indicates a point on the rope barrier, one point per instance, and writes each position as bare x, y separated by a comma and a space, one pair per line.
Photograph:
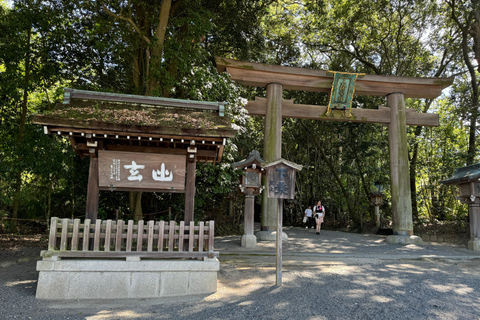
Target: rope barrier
36, 220
82, 216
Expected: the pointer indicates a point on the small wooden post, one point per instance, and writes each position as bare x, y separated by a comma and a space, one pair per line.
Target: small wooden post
279, 242
281, 185
53, 234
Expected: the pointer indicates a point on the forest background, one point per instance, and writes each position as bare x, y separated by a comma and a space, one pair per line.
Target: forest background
167, 48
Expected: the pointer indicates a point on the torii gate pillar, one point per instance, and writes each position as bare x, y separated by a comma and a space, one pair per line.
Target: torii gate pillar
272, 150
400, 173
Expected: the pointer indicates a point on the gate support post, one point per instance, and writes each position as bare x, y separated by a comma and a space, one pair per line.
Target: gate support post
92, 190
400, 173
272, 150
190, 187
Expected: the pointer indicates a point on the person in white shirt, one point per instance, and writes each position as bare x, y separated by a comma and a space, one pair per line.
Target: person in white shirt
309, 216
319, 214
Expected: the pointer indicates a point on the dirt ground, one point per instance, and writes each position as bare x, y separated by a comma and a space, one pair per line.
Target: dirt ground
347, 275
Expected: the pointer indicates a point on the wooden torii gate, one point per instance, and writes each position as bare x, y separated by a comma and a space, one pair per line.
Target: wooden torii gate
396, 89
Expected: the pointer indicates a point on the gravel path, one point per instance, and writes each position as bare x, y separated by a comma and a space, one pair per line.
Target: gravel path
331, 276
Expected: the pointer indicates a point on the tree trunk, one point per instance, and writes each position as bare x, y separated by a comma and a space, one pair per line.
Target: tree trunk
157, 48
21, 136
471, 137
49, 204
413, 172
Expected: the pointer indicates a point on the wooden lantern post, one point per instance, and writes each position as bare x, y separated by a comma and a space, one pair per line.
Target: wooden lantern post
281, 185
467, 179
251, 185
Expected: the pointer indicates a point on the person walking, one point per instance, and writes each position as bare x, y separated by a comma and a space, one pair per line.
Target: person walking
319, 214
309, 216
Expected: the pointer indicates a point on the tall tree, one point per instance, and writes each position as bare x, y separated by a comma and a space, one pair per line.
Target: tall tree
466, 16
28, 68
401, 38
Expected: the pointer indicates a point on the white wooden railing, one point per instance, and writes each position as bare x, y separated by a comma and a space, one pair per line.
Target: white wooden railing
117, 239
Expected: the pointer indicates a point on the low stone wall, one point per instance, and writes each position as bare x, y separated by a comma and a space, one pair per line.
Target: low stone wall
120, 279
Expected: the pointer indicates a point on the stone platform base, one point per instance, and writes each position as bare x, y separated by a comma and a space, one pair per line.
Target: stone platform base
117, 279
249, 241
270, 236
401, 239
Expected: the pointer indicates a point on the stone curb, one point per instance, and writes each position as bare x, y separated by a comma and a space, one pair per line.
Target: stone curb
351, 256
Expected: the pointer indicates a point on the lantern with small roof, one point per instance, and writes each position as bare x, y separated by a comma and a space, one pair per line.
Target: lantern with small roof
251, 179
468, 181
250, 185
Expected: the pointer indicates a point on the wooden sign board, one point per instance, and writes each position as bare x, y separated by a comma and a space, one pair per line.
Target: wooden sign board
281, 181
134, 171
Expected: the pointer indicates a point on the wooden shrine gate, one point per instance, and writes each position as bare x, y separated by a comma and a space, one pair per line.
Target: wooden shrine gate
395, 89
135, 143
140, 143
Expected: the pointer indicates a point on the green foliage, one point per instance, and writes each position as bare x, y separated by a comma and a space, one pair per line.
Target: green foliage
216, 186
80, 44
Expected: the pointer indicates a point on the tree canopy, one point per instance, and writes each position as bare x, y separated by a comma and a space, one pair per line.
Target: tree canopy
167, 48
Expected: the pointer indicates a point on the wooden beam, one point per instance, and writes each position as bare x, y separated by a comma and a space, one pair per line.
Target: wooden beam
55, 127
148, 100
75, 125
259, 75
123, 254
128, 148
380, 115
145, 149
141, 189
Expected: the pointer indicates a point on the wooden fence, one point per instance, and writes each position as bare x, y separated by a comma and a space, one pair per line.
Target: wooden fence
117, 239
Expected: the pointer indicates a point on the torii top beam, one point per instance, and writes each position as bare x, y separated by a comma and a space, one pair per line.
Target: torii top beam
292, 78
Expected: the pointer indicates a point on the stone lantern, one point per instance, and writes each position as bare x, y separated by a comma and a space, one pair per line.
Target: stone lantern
250, 186
376, 199
468, 181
